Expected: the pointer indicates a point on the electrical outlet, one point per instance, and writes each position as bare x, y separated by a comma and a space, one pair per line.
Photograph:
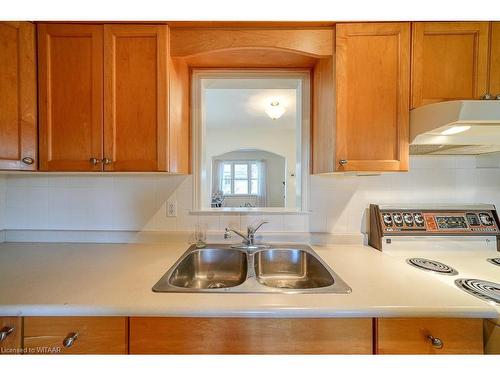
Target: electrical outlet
171, 208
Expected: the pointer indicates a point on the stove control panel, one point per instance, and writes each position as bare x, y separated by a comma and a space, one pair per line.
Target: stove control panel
438, 222
391, 221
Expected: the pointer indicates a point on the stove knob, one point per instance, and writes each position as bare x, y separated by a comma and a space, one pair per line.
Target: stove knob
387, 219
419, 219
398, 219
485, 219
408, 219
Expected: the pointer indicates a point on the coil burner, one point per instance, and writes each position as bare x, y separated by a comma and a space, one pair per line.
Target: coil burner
495, 261
432, 266
482, 289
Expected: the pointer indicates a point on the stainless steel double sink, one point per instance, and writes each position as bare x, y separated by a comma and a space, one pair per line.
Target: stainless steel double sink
277, 269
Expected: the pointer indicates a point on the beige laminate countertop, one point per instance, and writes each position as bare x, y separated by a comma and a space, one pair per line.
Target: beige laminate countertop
116, 280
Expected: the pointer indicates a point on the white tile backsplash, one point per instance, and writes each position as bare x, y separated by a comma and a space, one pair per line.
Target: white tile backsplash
433, 179
230, 221
338, 203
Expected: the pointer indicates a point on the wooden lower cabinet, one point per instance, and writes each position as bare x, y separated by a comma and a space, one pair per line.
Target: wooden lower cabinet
75, 335
414, 336
11, 335
249, 336
491, 337
161, 335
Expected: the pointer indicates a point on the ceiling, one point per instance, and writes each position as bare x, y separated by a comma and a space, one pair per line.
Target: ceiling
241, 103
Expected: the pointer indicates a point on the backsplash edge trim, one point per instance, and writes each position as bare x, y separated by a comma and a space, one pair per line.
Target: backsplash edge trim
83, 236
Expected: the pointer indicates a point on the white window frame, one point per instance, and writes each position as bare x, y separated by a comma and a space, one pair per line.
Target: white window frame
248, 179
201, 203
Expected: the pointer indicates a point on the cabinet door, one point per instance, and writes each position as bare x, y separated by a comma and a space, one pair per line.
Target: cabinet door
372, 74
415, 336
76, 335
70, 91
18, 132
249, 336
135, 92
10, 335
449, 62
494, 88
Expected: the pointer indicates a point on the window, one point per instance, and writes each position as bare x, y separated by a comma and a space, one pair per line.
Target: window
240, 178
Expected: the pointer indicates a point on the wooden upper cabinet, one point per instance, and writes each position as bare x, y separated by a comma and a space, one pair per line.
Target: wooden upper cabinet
494, 88
135, 92
449, 62
70, 60
372, 91
18, 131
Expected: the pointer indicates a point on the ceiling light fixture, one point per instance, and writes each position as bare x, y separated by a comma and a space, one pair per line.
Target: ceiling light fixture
455, 130
275, 110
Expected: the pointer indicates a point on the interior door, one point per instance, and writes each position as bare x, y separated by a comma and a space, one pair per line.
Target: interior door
18, 131
372, 88
135, 92
449, 62
70, 68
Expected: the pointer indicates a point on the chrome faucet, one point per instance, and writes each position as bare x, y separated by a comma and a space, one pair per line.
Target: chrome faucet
249, 238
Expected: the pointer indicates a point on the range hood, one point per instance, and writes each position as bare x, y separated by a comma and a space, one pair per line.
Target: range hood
459, 127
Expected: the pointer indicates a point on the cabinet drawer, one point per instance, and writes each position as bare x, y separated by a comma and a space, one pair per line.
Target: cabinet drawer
413, 336
250, 336
10, 336
93, 335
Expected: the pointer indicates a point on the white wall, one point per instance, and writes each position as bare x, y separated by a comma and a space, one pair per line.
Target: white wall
138, 202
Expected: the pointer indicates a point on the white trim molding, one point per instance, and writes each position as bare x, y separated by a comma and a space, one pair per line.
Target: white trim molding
303, 118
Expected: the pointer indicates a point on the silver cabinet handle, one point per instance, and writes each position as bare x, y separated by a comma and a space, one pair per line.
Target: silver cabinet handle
342, 162
4, 332
487, 96
94, 161
70, 339
436, 342
106, 161
28, 160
